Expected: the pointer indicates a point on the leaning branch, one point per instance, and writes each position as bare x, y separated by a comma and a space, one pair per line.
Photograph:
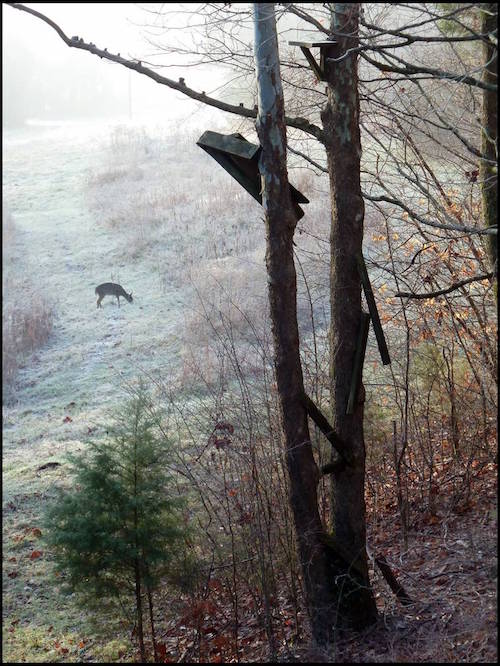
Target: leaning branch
78, 43
392, 581
315, 164
452, 287
322, 422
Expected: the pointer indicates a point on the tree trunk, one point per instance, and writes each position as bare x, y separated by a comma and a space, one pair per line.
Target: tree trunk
152, 622
138, 605
489, 133
280, 227
343, 146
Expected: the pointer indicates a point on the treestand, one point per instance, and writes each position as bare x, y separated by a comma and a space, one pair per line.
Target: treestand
240, 158
324, 46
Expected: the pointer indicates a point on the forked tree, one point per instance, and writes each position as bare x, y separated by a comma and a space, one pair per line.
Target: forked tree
334, 565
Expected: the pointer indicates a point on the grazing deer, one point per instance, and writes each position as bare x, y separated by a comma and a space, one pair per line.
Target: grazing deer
111, 289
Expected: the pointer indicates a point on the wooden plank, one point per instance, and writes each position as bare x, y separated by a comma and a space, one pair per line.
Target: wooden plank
322, 422
359, 358
392, 581
228, 143
310, 45
372, 307
312, 62
248, 183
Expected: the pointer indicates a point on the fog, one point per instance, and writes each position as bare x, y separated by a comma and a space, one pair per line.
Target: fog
45, 80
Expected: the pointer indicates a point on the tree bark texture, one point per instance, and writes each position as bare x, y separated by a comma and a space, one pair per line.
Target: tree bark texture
280, 227
343, 147
489, 132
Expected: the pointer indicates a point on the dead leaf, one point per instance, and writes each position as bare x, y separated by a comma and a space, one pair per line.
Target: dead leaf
220, 642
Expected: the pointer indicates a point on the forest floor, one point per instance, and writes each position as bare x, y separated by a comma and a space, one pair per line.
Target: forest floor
449, 571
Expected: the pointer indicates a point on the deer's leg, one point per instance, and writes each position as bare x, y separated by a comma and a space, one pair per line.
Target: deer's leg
118, 298
99, 299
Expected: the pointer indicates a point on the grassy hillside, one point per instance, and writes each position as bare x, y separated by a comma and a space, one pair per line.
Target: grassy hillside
145, 207
86, 204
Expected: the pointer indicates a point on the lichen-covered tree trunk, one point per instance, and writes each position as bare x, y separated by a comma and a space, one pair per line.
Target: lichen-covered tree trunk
280, 227
489, 131
343, 146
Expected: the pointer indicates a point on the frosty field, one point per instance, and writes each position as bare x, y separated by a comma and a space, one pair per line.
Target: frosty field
145, 207
93, 203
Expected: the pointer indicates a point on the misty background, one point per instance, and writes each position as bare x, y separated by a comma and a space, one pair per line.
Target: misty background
44, 80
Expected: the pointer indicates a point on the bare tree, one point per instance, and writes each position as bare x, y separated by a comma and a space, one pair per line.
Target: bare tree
280, 226
400, 182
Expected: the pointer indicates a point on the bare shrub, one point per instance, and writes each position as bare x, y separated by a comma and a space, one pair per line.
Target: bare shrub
8, 227
131, 143
159, 191
26, 327
304, 181
113, 175
233, 456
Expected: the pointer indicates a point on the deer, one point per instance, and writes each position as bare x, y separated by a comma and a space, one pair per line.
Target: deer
111, 289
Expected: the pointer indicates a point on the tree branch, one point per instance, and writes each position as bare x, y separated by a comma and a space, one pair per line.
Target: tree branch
307, 159
411, 70
441, 292
301, 13
437, 225
298, 123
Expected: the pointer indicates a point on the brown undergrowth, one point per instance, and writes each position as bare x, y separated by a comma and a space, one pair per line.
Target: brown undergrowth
449, 571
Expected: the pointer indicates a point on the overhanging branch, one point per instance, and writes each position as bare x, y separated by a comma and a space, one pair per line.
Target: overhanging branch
447, 290
77, 43
430, 223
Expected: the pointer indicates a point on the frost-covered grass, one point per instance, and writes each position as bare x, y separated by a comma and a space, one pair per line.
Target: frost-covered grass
147, 208
27, 313
88, 204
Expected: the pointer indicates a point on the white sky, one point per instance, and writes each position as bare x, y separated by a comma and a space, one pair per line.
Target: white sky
29, 44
